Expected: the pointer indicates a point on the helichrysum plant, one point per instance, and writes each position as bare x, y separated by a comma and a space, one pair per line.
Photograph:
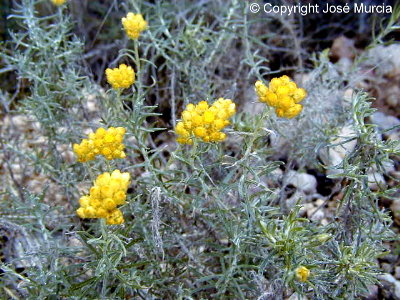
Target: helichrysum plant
105, 142
283, 95
134, 24
58, 2
120, 78
108, 191
216, 222
302, 273
205, 121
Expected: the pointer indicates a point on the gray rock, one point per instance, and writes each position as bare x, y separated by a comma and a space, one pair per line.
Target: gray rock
302, 181
376, 181
388, 166
296, 296
297, 196
387, 268
395, 207
373, 291
393, 97
385, 122
337, 153
386, 59
390, 285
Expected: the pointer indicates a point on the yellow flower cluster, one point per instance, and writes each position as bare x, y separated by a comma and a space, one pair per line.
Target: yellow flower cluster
302, 273
108, 191
106, 142
134, 24
121, 77
204, 121
58, 2
282, 94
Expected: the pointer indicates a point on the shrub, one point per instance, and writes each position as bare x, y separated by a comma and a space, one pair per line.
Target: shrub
193, 207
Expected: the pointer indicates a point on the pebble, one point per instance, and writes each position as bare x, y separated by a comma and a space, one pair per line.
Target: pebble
91, 103
394, 136
343, 47
291, 202
385, 122
395, 208
312, 213
393, 93
386, 59
277, 173
387, 268
295, 296
20, 121
17, 172
336, 154
372, 292
348, 95
302, 181
344, 64
75, 242
66, 153
376, 181
317, 216
391, 286
388, 166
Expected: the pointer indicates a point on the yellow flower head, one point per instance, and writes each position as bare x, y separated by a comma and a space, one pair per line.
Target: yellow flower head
106, 142
282, 94
302, 273
58, 2
204, 121
121, 77
108, 191
134, 24
115, 217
